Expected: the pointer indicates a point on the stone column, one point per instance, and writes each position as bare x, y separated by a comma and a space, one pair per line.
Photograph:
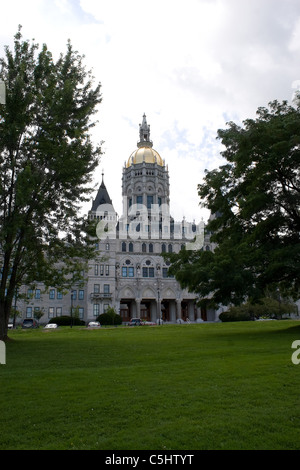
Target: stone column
198, 313
138, 308
191, 310
178, 309
158, 309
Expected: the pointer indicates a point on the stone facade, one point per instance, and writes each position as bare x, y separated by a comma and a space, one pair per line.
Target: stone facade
130, 273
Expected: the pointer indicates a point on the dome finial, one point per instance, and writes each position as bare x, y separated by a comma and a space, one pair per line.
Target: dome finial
144, 134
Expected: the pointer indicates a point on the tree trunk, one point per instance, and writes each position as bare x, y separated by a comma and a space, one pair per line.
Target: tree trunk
4, 317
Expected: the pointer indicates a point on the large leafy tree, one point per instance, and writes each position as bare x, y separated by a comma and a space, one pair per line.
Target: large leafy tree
46, 163
254, 199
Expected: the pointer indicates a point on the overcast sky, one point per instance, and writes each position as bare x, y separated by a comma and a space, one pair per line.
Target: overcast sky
189, 65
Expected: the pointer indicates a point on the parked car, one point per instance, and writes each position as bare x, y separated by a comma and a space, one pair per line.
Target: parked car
136, 322
50, 326
30, 323
94, 324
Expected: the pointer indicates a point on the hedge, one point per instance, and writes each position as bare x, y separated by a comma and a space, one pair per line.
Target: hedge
108, 319
65, 320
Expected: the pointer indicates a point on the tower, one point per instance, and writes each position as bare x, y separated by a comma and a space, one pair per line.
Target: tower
145, 185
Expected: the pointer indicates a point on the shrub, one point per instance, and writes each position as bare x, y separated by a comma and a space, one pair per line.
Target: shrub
65, 320
267, 308
109, 318
236, 314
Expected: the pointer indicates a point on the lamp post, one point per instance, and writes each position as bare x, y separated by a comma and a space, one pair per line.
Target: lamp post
158, 305
72, 294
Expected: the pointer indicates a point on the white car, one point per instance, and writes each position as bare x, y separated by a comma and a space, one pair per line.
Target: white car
94, 324
51, 326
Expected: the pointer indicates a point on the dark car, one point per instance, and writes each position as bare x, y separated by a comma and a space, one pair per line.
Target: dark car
30, 323
135, 322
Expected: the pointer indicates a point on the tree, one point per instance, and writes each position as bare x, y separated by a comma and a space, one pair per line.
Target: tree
254, 198
46, 163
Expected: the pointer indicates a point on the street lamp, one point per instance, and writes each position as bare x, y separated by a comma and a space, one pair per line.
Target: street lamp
72, 294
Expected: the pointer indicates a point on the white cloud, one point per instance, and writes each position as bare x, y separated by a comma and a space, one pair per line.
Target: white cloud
190, 66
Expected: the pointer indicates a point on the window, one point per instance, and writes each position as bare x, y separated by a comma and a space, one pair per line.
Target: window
170, 248
38, 293
96, 269
144, 247
165, 272
81, 294
52, 294
127, 272
29, 294
107, 270
139, 201
149, 201
51, 312
123, 246
130, 272
101, 269
106, 288
131, 247
150, 247
163, 248
96, 310
105, 307
81, 313
58, 311
59, 295
74, 294
107, 246
96, 288
148, 272
28, 312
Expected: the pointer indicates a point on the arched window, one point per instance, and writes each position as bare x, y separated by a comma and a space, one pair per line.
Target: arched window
170, 248
163, 248
150, 247
144, 247
123, 246
131, 247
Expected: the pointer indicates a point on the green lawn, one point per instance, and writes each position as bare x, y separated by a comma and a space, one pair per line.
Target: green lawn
171, 387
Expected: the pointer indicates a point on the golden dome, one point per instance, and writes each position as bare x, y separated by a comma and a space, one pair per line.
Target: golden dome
145, 154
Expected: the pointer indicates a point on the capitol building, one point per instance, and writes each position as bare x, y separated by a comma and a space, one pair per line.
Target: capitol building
129, 272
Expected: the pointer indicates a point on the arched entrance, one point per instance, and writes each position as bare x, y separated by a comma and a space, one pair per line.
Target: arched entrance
125, 309
146, 310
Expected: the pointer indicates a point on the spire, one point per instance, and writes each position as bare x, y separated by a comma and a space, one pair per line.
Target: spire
102, 196
145, 134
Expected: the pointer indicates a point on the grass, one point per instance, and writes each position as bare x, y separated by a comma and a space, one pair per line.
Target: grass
171, 387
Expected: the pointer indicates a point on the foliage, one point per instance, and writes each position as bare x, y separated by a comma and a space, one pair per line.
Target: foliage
66, 320
254, 200
237, 313
267, 307
46, 165
110, 317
